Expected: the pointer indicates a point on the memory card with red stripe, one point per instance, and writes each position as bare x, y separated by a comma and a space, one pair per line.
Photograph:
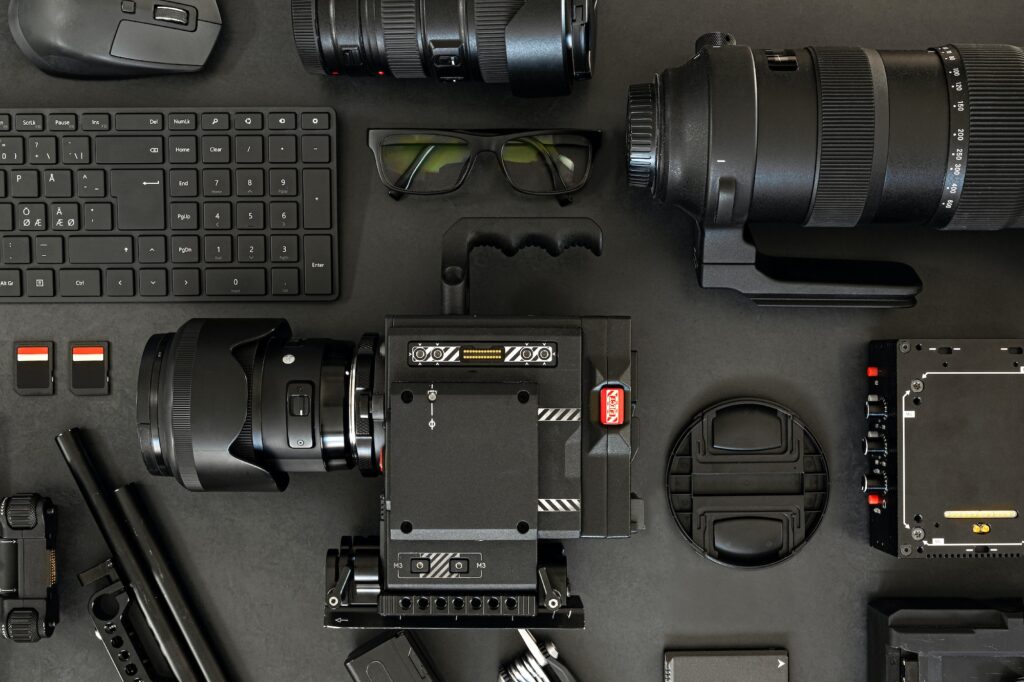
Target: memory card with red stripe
33, 367
90, 367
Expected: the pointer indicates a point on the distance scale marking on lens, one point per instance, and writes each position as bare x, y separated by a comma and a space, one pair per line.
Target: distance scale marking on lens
500, 354
959, 134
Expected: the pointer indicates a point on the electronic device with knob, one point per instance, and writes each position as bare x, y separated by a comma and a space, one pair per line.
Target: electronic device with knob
29, 609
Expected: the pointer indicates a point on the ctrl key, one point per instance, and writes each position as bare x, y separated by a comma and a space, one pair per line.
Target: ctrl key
79, 282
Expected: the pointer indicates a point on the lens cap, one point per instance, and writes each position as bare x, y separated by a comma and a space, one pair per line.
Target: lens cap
747, 483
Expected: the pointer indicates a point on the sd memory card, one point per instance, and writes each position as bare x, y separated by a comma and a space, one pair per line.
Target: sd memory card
90, 367
33, 367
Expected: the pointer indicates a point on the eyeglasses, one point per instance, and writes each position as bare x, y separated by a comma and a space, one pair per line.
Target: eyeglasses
538, 162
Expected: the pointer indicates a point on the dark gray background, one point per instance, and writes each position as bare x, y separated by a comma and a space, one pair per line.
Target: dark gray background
255, 563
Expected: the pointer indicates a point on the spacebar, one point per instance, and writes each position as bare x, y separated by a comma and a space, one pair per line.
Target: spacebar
236, 282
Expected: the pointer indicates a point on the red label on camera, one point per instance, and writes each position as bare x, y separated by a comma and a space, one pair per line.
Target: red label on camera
613, 406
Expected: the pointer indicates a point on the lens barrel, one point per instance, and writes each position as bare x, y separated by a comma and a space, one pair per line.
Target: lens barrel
539, 47
836, 136
240, 405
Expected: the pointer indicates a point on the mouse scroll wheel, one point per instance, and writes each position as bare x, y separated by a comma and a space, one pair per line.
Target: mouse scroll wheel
172, 15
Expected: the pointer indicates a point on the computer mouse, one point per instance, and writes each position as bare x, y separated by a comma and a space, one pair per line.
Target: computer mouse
105, 38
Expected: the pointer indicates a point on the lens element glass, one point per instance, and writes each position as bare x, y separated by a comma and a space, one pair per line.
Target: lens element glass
423, 164
547, 164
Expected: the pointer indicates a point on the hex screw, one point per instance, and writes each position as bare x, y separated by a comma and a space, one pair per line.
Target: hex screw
917, 534
904, 347
916, 385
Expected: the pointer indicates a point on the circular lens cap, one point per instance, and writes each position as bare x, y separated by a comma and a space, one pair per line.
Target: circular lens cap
747, 483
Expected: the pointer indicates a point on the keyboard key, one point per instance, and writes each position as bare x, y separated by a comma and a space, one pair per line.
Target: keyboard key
284, 281
91, 184
79, 283
6, 217
250, 216
74, 150
282, 149
216, 183
12, 150
100, 250
139, 122
120, 282
31, 217
236, 282
185, 282
283, 121
217, 149
96, 122
64, 217
216, 216
248, 121
140, 199
152, 282
215, 122
284, 182
284, 249
98, 217
5, 123
251, 249
184, 216
49, 250
316, 122
57, 184
3, 184
184, 183
316, 149
249, 149
39, 283
152, 250
10, 283
249, 183
182, 149
28, 122
42, 150
284, 215
185, 249
67, 123
316, 195
181, 122
129, 150
217, 249
25, 184
15, 251
318, 265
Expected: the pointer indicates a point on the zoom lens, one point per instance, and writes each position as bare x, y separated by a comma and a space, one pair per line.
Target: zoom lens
835, 136
234, 405
538, 46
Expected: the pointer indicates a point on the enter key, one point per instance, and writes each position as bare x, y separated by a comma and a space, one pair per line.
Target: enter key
140, 196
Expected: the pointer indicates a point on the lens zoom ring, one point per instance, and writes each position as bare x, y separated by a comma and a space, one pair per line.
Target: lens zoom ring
993, 193
181, 403
846, 136
399, 24
305, 32
491, 18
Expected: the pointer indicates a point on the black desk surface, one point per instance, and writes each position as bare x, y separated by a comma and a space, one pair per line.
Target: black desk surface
255, 563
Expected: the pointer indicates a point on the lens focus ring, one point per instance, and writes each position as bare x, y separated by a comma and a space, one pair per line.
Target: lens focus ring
400, 26
993, 190
642, 115
306, 34
492, 17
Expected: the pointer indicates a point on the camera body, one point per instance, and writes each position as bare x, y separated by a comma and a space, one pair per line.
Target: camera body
28, 568
504, 437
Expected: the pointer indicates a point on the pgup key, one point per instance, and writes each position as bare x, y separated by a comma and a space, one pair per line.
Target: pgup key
140, 196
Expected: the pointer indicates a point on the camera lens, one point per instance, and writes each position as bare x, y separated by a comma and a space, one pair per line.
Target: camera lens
239, 405
828, 136
539, 47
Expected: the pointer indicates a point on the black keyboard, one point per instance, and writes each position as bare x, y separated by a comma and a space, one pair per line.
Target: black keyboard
172, 205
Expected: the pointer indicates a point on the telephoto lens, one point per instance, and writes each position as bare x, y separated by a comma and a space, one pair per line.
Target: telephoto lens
238, 405
539, 47
830, 137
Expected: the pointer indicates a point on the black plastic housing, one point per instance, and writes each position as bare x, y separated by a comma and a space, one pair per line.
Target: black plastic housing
29, 606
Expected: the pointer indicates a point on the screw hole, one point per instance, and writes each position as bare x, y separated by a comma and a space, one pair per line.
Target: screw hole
493, 604
407, 397
917, 518
945, 364
476, 603
523, 527
405, 603
116, 643
918, 346
406, 527
523, 396
422, 603
123, 655
458, 603
130, 669
511, 603
441, 603
917, 401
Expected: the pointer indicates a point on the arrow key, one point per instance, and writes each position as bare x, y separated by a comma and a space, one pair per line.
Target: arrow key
185, 282
152, 282
120, 283
152, 250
